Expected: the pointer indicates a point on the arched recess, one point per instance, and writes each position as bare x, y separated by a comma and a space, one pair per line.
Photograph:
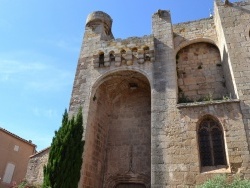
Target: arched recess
192, 41
200, 73
211, 144
118, 132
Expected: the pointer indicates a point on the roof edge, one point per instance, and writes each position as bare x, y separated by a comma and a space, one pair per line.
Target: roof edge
18, 137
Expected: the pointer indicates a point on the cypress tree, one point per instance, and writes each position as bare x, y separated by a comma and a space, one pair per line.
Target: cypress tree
65, 157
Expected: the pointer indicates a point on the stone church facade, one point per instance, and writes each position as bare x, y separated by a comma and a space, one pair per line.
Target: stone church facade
170, 109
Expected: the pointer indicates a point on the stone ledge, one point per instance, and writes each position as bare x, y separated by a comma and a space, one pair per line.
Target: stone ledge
215, 169
206, 103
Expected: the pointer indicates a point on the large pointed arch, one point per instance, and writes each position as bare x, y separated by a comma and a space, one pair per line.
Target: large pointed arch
118, 130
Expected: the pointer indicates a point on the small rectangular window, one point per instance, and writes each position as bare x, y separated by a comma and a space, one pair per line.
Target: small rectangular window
16, 148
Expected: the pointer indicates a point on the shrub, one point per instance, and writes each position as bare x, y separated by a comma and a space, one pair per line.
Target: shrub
25, 184
221, 181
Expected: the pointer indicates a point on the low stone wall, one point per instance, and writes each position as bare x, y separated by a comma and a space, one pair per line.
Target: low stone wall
34, 173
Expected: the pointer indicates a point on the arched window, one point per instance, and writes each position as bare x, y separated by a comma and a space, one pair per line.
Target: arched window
134, 51
123, 52
211, 143
146, 49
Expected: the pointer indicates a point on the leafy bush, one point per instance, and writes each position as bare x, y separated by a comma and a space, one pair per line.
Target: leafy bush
221, 181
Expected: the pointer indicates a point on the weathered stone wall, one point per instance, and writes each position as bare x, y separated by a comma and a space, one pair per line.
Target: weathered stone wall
226, 62
217, 49
118, 130
192, 32
96, 139
228, 113
234, 26
34, 174
200, 73
129, 139
164, 98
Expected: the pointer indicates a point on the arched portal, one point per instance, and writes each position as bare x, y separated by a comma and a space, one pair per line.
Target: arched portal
118, 133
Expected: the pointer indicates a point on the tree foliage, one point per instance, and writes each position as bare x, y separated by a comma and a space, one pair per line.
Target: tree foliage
221, 181
65, 157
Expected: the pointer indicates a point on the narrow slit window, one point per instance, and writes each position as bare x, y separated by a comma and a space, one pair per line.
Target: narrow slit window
101, 59
112, 56
146, 53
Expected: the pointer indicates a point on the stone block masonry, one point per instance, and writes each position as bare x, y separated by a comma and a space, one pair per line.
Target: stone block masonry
37, 161
146, 100
170, 109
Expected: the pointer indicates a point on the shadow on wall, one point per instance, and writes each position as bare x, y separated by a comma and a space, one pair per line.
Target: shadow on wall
228, 75
245, 114
164, 99
160, 68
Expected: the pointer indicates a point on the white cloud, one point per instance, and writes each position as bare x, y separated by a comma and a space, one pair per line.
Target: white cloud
51, 80
34, 75
8, 67
66, 46
47, 113
70, 45
4, 78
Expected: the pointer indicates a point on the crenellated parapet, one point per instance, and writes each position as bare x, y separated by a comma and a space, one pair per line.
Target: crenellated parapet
131, 51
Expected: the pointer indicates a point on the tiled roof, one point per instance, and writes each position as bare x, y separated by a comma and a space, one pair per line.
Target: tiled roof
45, 149
18, 137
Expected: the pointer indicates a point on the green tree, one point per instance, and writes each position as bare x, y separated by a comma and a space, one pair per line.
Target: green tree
65, 157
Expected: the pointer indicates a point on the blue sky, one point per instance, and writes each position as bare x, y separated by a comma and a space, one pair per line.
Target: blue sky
40, 43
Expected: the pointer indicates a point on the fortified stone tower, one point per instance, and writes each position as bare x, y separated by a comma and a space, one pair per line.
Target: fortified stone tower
168, 109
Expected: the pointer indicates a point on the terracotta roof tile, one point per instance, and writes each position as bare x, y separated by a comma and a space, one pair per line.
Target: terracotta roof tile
18, 137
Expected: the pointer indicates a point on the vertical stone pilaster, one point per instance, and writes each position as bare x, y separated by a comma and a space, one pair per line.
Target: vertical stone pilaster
163, 96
